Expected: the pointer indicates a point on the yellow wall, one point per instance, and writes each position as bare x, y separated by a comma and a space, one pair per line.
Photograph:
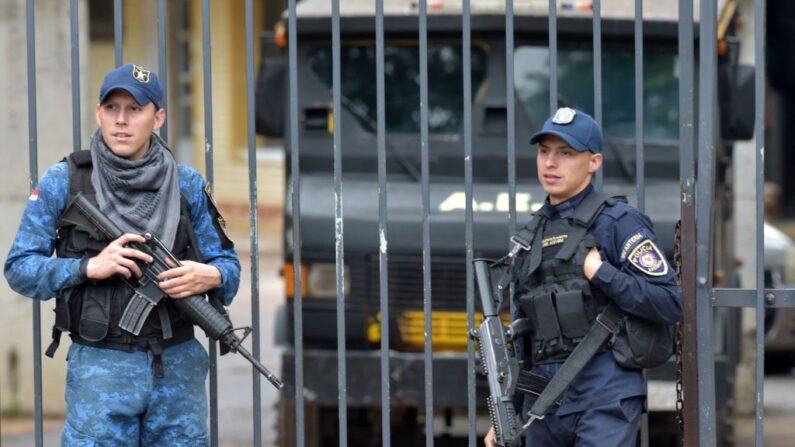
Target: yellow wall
230, 130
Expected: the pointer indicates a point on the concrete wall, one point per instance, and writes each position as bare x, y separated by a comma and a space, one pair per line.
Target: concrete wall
54, 138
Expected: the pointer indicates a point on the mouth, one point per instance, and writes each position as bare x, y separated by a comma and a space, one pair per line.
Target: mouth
122, 136
551, 179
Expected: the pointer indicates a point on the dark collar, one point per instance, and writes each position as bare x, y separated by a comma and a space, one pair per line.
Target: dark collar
565, 209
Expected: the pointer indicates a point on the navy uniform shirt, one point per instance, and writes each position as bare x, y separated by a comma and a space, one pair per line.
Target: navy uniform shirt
634, 274
32, 271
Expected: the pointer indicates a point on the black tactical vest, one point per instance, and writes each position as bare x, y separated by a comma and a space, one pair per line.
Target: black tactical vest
91, 311
559, 301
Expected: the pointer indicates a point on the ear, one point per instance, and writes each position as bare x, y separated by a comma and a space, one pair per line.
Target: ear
594, 163
160, 118
96, 115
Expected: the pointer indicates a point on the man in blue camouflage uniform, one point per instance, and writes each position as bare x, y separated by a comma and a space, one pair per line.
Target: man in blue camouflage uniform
125, 390
602, 406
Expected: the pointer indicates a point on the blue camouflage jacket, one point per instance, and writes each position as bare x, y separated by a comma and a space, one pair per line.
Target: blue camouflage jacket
634, 274
31, 270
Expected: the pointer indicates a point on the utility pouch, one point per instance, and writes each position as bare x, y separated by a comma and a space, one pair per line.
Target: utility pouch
641, 343
546, 321
95, 315
571, 314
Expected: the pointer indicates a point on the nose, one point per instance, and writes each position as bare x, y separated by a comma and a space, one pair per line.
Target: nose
551, 160
121, 116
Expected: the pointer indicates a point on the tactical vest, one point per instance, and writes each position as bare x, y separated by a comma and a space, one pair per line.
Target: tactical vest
560, 302
91, 311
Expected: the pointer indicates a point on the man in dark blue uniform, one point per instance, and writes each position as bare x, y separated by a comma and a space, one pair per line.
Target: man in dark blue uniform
562, 294
125, 389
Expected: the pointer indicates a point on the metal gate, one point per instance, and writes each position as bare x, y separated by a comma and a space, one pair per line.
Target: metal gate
697, 135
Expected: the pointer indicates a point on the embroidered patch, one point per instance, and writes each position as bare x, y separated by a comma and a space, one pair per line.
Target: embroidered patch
635, 238
140, 74
554, 240
647, 258
34, 197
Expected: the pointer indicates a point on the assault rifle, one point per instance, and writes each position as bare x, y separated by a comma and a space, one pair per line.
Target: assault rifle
500, 365
148, 294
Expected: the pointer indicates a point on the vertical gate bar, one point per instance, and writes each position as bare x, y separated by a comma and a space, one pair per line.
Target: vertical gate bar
689, 378
466, 51
117, 33
74, 37
383, 264
553, 56
597, 76
759, 133
510, 119
640, 174
30, 30
210, 175
510, 114
162, 61
295, 172
254, 231
339, 232
704, 209
207, 64
426, 222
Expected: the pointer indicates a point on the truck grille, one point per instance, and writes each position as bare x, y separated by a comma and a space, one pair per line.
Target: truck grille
448, 283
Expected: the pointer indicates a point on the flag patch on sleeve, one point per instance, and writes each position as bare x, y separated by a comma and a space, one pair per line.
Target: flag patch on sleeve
34, 196
647, 258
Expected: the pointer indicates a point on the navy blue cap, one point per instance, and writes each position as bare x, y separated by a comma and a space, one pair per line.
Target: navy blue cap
136, 80
575, 127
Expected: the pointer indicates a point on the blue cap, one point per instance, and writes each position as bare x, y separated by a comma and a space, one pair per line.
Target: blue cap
136, 80
575, 127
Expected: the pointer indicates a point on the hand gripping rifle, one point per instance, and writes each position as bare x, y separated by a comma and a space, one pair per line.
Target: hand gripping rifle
148, 294
500, 365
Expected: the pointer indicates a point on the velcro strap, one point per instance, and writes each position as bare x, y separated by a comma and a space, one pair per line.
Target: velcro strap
56, 341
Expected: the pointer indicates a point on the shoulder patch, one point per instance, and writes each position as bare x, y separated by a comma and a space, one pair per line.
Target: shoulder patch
218, 221
630, 243
647, 258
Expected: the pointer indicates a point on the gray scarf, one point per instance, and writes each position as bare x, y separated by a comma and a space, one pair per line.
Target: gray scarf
138, 195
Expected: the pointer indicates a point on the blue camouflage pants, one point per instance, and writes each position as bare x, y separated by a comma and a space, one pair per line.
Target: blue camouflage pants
114, 399
611, 424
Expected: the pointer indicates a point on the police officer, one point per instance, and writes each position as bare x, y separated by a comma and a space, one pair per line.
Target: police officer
561, 294
124, 389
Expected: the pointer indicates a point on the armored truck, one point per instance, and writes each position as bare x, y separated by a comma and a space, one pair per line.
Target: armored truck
530, 57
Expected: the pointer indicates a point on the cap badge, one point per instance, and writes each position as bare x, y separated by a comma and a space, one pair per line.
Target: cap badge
140, 74
564, 115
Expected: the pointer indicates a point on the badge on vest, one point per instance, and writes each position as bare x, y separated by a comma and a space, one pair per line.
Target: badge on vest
647, 258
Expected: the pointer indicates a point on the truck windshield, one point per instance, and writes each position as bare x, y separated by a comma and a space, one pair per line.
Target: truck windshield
576, 88
402, 80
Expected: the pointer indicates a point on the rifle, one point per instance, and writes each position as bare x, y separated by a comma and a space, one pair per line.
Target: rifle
500, 364
148, 294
